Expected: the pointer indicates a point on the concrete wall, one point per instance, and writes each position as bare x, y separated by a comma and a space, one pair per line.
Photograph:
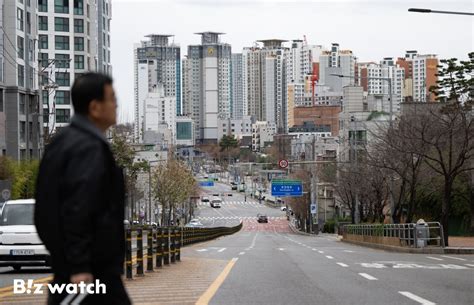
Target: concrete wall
388, 241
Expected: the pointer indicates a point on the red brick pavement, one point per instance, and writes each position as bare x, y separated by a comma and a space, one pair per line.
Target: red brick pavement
458, 241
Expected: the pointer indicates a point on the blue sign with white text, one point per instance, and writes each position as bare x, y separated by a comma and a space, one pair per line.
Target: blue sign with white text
287, 188
207, 183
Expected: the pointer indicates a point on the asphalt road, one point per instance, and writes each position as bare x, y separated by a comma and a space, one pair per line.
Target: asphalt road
278, 267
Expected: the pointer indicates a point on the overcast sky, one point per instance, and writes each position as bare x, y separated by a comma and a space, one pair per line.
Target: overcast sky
372, 29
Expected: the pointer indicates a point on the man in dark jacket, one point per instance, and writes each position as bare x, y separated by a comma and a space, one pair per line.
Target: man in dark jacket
80, 198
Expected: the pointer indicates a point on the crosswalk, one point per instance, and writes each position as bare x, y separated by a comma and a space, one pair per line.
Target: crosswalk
234, 203
243, 218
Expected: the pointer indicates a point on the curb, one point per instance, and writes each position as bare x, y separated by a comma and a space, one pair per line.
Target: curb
458, 250
398, 249
295, 230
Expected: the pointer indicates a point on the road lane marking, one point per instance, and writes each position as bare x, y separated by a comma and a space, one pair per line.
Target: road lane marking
470, 265
435, 258
201, 250
452, 257
321, 252
241, 253
330, 257
281, 249
349, 251
221, 250
368, 276
342, 265
416, 298
314, 249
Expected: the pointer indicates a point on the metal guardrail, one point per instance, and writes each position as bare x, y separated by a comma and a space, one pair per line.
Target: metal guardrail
415, 235
162, 246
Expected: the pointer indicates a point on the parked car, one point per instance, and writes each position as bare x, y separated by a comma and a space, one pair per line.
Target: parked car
234, 187
216, 202
20, 244
205, 199
262, 218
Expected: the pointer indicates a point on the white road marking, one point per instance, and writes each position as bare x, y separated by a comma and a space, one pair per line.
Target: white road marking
368, 276
452, 257
349, 251
330, 257
342, 265
314, 249
222, 250
373, 265
241, 253
416, 298
201, 250
435, 258
281, 249
321, 252
470, 265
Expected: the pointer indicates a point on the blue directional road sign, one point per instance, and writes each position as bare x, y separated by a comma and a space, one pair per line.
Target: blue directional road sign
287, 188
206, 183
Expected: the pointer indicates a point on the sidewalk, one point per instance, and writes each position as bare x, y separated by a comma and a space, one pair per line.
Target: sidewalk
461, 242
179, 284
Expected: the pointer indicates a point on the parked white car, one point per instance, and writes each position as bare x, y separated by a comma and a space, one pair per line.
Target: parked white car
20, 244
194, 223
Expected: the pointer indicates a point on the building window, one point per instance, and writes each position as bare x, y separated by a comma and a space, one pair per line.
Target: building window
28, 23
21, 75
78, 7
43, 6
19, 19
61, 42
78, 44
78, 26
43, 41
61, 6
43, 23
21, 47
63, 97
62, 115
79, 61
22, 104
62, 79
22, 132
45, 97
62, 60
61, 24
43, 60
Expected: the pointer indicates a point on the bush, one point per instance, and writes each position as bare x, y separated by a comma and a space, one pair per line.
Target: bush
329, 226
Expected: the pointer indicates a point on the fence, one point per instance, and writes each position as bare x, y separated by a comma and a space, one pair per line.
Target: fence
414, 235
162, 246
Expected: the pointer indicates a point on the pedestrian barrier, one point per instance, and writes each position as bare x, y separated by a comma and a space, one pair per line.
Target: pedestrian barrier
414, 235
163, 245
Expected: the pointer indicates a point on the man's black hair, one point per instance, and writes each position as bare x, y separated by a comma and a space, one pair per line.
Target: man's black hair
86, 88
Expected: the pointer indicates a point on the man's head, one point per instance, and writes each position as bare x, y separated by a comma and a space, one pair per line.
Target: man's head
93, 96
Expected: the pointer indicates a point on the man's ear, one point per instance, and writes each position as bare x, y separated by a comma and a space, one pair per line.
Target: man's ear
94, 108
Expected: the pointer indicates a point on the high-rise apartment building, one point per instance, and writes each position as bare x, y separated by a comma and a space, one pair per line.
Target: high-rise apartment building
20, 109
157, 62
337, 61
74, 38
238, 103
207, 86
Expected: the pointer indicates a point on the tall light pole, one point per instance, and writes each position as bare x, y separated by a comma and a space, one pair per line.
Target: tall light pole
427, 11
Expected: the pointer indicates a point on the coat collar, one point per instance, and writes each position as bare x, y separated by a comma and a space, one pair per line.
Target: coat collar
82, 122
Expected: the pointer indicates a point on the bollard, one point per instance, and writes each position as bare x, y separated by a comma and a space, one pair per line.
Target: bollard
140, 252
159, 247
149, 238
128, 255
166, 250
179, 235
173, 244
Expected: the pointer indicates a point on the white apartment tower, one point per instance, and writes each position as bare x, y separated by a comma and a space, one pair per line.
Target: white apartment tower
238, 101
74, 38
157, 63
20, 109
267, 82
207, 86
336, 61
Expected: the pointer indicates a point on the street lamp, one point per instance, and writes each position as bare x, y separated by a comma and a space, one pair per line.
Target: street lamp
426, 10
